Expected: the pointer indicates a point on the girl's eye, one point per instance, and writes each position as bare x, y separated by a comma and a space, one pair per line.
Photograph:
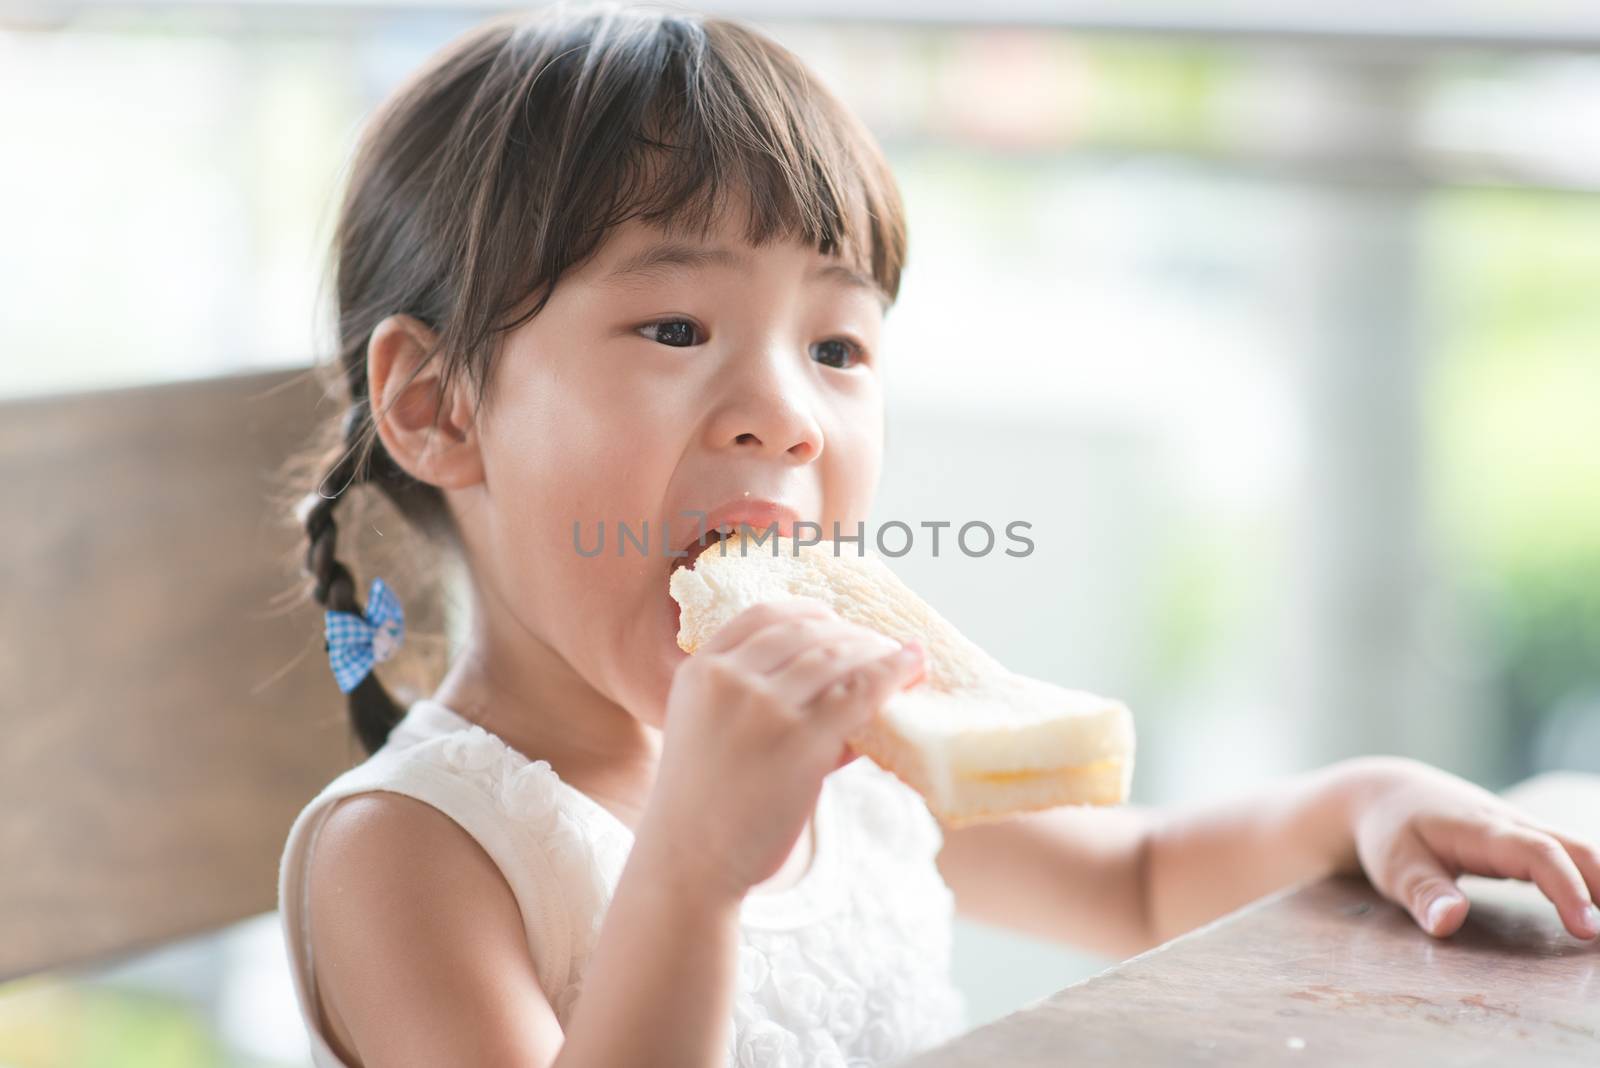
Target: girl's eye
675, 333
837, 352
682, 333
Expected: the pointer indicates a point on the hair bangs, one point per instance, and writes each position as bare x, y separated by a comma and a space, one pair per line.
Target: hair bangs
748, 118
671, 120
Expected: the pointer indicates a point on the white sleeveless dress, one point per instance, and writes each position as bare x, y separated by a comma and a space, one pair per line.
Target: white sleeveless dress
850, 966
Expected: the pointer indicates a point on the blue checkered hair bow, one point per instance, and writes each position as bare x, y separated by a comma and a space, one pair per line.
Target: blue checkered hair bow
355, 644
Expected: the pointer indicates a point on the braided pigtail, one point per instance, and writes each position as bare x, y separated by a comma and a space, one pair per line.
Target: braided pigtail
373, 712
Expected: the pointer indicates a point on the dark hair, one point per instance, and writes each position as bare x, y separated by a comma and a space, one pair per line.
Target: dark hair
504, 162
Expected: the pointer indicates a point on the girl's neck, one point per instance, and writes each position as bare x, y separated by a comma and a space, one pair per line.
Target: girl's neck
543, 709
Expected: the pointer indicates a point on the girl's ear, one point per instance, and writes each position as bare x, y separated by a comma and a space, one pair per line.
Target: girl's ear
432, 437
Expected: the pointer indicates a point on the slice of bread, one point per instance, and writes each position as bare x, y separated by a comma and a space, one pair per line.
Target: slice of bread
976, 741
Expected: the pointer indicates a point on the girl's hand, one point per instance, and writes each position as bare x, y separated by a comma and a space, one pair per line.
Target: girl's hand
754, 721
1416, 828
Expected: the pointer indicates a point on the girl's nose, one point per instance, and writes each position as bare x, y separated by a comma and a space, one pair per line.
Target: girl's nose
769, 407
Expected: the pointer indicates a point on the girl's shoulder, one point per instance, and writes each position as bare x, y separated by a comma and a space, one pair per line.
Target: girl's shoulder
393, 884
558, 857
560, 849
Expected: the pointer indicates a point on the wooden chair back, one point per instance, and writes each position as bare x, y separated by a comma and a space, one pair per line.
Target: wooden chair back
160, 721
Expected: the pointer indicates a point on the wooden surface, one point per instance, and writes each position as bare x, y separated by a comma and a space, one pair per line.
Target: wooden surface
161, 723
1333, 974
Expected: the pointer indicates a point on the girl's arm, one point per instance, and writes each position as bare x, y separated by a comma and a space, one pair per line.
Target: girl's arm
1119, 881
1069, 875
422, 958
1122, 880
665, 963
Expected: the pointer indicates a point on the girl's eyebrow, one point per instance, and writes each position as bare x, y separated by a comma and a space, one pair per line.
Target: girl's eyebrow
671, 256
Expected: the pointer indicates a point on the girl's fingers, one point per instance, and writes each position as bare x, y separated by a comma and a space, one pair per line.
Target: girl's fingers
1584, 853
1422, 885
806, 674
1517, 852
855, 697
780, 641
759, 616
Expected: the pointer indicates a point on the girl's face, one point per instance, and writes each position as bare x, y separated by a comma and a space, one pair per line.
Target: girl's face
668, 376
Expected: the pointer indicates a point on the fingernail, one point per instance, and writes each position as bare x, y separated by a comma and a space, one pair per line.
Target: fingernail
911, 650
1437, 910
1589, 921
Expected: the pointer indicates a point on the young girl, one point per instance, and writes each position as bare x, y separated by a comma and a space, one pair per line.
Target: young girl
603, 266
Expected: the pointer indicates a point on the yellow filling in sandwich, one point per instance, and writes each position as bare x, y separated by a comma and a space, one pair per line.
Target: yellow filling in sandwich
1025, 774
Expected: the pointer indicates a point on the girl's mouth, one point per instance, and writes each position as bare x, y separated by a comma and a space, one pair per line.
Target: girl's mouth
699, 545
